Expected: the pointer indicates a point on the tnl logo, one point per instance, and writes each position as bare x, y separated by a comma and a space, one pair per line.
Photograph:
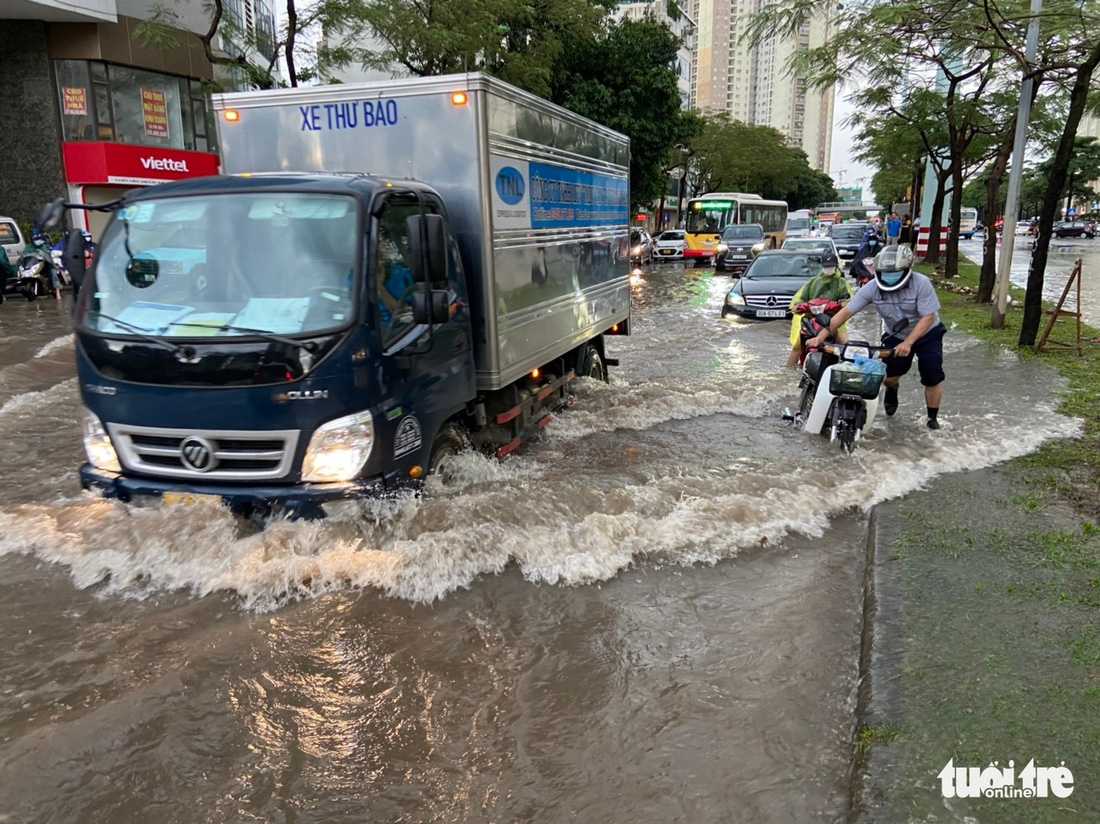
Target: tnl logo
510, 185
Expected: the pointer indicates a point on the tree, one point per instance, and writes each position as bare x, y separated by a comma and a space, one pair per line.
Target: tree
729, 155
624, 78
517, 40
228, 42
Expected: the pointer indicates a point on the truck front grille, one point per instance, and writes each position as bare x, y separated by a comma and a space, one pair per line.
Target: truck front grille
208, 454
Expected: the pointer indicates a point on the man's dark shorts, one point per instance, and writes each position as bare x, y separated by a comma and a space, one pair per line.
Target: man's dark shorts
929, 352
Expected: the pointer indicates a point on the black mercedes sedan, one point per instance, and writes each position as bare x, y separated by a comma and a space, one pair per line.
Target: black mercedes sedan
766, 288
737, 248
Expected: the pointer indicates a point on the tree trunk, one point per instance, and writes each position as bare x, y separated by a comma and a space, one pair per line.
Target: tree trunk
951, 266
1033, 299
291, 33
935, 220
918, 181
988, 278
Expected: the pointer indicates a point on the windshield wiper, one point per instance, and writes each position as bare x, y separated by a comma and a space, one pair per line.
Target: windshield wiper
308, 345
139, 332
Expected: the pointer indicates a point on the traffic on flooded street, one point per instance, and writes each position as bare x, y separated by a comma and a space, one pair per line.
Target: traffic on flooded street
564, 413
667, 582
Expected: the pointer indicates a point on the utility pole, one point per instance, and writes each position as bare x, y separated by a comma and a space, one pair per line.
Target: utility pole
1016, 175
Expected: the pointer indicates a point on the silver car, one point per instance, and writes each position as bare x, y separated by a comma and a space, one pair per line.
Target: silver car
11, 240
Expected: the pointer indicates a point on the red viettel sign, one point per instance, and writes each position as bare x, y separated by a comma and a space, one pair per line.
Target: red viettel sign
120, 164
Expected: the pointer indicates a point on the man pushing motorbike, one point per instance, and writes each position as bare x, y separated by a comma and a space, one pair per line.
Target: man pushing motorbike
829, 284
907, 303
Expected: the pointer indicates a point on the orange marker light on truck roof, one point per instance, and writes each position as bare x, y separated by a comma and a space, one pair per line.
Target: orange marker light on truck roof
232, 115
459, 98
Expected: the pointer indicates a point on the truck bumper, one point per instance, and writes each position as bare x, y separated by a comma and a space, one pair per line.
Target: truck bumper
296, 501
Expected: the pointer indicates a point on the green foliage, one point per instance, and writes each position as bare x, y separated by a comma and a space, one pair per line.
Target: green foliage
729, 155
623, 77
519, 41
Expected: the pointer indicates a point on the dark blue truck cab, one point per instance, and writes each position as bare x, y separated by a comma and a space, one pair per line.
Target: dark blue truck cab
284, 341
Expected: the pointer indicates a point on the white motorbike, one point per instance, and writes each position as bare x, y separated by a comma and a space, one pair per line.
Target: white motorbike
840, 387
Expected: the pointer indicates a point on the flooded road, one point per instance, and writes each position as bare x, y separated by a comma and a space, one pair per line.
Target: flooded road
653, 614
1063, 254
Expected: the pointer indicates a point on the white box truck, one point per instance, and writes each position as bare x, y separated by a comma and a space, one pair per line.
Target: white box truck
383, 273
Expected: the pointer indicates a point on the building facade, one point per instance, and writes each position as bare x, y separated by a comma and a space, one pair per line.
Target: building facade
754, 84
92, 110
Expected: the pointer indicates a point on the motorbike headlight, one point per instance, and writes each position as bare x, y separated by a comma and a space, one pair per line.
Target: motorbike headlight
37, 267
97, 444
637, 250
721, 247
758, 248
339, 449
735, 299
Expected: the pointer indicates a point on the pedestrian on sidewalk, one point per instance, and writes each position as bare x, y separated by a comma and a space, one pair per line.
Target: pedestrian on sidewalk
907, 303
905, 238
893, 229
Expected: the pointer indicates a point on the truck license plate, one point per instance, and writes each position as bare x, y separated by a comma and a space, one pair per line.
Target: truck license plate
771, 313
189, 499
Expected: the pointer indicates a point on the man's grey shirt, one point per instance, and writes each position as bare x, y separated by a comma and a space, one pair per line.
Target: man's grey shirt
900, 310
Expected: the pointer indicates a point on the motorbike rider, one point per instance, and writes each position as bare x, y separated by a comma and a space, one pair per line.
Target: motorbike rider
828, 284
907, 303
869, 248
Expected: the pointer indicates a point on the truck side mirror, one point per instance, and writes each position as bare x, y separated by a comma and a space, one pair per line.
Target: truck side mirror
436, 251
73, 256
431, 307
50, 216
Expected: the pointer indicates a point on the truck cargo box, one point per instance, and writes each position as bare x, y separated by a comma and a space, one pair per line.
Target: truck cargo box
537, 196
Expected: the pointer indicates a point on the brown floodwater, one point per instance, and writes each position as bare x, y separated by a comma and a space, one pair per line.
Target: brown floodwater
651, 615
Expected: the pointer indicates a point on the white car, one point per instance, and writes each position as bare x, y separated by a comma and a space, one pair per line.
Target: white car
11, 240
816, 243
1023, 227
670, 245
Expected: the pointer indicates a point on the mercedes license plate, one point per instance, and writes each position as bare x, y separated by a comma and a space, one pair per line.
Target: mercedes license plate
771, 313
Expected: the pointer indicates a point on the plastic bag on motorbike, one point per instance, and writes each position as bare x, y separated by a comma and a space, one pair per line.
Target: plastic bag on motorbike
862, 377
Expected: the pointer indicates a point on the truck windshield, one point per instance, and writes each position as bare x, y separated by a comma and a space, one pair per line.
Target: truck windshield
227, 265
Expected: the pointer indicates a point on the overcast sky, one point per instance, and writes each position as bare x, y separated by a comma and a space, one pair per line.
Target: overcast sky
844, 168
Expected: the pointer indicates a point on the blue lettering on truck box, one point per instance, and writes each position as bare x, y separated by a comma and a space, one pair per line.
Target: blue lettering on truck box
352, 114
562, 198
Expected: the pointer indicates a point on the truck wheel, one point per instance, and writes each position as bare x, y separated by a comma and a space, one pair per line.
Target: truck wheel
445, 448
592, 366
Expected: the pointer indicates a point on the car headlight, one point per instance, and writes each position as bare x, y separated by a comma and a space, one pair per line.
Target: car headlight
339, 449
758, 248
721, 247
735, 299
97, 444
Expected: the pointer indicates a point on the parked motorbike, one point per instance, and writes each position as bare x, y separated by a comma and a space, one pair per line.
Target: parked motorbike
840, 382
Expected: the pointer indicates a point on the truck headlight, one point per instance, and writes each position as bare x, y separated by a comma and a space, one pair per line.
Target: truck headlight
97, 444
758, 248
339, 449
735, 299
721, 247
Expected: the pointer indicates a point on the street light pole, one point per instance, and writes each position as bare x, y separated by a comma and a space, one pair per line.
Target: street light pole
1016, 175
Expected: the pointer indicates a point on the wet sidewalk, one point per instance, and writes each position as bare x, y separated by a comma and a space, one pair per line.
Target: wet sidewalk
981, 645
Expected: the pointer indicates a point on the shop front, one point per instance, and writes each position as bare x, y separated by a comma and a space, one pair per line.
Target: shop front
125, 127
98, 173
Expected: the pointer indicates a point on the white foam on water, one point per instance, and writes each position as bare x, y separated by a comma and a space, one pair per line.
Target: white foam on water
559, 529
56, 393
53, 345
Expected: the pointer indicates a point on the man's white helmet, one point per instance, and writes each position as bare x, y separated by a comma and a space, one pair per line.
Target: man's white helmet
893, 267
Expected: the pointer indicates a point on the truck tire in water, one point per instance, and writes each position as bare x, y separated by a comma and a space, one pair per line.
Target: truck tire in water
592, 366
447, 444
